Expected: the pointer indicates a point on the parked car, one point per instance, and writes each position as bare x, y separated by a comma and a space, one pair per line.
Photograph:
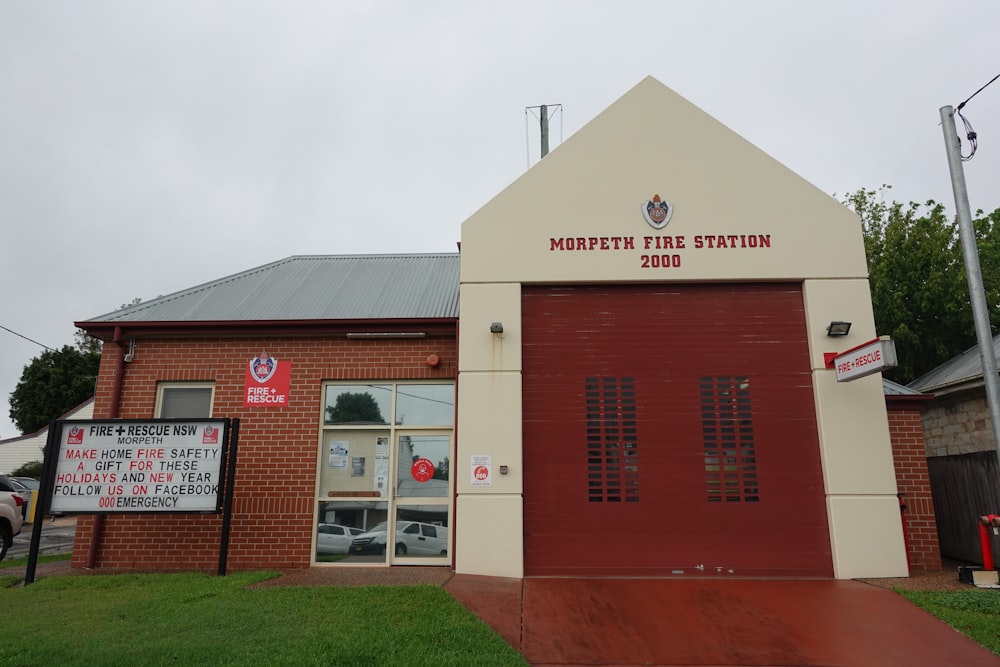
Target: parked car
334, 539
29, 482
412, 538
11, 518
23, 490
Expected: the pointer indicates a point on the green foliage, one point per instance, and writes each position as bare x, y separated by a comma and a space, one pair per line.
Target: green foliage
84, 343
52, 384
33, 469
917, 275
983, 601
973, 612
195, 619
441, 471
355, 408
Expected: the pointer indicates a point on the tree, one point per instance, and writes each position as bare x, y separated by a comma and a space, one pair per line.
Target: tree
85, 343
441, 471
355, 408
52, 384
917, 276
32, 469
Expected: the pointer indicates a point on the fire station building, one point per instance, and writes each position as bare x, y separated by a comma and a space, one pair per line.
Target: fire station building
621, 373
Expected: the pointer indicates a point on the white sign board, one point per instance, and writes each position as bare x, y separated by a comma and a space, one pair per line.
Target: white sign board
123, 466
866, 359
482, 470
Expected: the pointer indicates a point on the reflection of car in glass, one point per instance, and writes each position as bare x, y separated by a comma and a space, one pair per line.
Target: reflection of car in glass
412, 538
334, 539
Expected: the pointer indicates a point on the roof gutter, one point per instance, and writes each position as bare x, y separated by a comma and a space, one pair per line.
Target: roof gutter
429, 325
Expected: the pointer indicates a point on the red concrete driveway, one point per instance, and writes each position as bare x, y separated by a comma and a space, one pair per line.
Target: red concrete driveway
714, 622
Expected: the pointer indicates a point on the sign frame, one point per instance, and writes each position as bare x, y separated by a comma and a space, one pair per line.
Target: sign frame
142, 452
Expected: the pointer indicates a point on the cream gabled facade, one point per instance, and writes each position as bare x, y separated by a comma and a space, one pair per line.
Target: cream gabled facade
808, 490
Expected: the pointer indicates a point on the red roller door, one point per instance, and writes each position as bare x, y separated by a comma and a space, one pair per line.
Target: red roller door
670, 429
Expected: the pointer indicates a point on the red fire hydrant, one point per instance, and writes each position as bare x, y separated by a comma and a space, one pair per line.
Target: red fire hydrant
985, 540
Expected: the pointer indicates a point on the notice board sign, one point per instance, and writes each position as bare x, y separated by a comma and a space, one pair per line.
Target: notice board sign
122, 466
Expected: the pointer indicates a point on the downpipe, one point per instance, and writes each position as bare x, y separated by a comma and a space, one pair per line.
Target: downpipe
116, 396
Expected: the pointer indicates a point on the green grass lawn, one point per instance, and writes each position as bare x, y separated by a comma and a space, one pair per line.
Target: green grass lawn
197, 619
974, 612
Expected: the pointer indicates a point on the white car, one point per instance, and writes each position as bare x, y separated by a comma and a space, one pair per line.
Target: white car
11, 516
334, 539
412, 539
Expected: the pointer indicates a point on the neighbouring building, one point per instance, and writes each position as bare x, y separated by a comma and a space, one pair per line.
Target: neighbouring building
961, 454
621, 373
28, 448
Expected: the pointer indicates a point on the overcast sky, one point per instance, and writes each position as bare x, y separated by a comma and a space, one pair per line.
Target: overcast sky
147, 147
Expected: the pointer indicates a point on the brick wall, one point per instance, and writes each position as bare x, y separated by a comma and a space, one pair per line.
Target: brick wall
912, 479
272, 523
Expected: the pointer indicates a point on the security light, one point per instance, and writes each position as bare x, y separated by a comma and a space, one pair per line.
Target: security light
838, 328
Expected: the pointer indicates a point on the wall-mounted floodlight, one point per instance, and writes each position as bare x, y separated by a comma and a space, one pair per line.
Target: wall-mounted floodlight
496, 327
838, 328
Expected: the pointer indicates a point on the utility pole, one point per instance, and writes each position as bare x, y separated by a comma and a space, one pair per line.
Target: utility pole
543, 122
973, 271
544, 112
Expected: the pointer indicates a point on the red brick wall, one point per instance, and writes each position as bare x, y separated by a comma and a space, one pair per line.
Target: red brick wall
912, 479
272, 523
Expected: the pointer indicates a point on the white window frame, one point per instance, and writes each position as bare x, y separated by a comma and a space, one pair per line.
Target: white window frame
162, 386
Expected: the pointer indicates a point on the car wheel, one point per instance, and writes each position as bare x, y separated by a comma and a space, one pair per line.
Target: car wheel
400, 549
444, 552
6, 539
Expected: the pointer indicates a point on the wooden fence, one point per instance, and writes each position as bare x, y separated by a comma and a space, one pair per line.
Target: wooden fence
965, 487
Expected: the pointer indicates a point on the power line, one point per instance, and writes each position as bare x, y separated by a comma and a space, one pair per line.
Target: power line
959, 107
26, 338
970, 134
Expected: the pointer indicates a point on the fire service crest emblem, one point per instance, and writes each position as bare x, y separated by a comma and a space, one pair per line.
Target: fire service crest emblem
657, 212
262, 367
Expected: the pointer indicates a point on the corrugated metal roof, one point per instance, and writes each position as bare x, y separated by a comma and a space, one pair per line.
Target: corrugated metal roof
317, 287
890, 388
963, 368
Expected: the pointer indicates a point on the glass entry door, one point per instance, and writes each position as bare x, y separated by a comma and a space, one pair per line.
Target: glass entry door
421, 492
384, 489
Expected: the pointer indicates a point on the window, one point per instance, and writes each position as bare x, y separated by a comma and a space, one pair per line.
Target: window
425, 404
184, 401
384, 444
358, 405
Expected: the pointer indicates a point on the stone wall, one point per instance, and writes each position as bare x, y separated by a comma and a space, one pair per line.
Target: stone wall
957, 425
